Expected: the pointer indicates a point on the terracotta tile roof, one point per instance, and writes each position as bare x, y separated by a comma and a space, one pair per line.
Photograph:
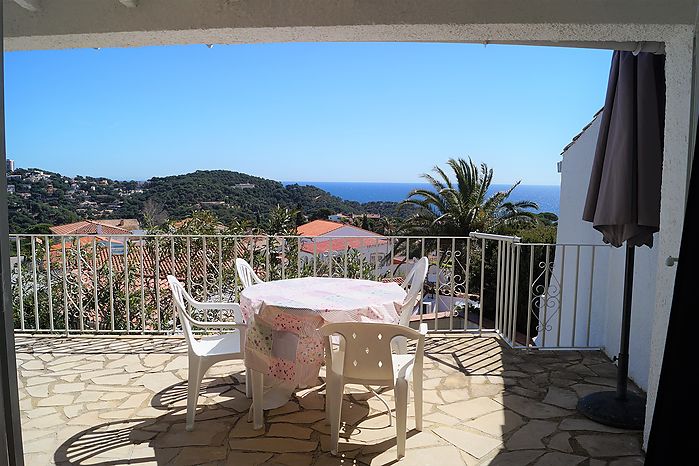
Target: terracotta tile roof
318, 228
88, 227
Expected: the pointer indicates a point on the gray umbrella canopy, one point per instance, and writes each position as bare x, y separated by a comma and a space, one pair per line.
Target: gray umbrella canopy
623, 197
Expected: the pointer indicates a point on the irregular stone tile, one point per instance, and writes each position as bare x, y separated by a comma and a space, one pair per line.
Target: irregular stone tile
453, 396
72, 411
45, 445
515, 458
238, 458
455, 380
207, 433
301, 417
561, 397
191, 456
532, 409
57, 400
442, 455
497, 423
289, 430
38, 380
345, 447
135, 401
117, 379
87, 419
44, 423
471, 409
273, 445
38, 412
38, 391
635, 461
114, 396
530, 435
91, 375
290, 407
440, 418
33, 365
312, 400
88, 396
155, 360
559, 459
68, 387
117, 414
610, 445
244, 429
561, 442
157, 382
486, 389
475, 445
587, 424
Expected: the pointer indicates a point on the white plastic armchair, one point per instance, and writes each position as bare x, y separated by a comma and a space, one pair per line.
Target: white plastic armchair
366, 358
208, 350
413, 285
247, 275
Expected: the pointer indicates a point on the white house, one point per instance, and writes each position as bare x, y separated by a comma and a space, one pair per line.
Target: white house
608, 272
320, 237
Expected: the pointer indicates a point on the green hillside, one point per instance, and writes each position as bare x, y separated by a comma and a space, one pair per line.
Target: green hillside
42, 198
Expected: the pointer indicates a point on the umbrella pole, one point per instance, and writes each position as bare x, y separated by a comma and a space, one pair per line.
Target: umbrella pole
622, 374
619, 408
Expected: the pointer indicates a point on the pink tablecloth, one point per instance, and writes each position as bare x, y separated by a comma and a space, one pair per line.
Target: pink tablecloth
283, 342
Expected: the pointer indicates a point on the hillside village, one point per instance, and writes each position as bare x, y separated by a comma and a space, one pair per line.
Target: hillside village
39, 199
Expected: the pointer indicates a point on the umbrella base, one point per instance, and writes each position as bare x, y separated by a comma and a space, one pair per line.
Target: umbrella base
605, 408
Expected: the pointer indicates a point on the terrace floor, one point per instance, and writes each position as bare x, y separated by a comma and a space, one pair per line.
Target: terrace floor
114, 401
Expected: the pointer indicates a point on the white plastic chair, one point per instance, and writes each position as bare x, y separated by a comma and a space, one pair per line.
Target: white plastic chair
413, 285
208, 350
247, 275
365, 358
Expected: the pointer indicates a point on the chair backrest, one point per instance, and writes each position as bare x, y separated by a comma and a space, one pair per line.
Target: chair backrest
413, 285
178, 296
182, 298
247, 275
367, 349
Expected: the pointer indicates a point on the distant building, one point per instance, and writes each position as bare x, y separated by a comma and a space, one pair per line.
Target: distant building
244, 186
122, 226
10, 165
11, 188
342, 218
321, 237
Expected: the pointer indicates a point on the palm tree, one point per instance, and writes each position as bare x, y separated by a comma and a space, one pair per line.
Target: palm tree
462, 205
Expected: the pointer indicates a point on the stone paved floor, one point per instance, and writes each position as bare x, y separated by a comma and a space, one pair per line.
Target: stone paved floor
115, 401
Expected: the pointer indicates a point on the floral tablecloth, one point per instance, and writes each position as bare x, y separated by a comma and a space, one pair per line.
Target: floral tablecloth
282, 341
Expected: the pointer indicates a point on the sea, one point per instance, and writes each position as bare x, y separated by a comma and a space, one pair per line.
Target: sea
547, 196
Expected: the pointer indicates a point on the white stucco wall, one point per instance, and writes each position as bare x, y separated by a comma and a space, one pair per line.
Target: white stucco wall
608, 283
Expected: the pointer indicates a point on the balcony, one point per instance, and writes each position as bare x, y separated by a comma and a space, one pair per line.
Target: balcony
102, 367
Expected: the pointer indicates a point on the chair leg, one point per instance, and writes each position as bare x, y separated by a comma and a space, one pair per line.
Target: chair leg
257, 399
334, 390
417, 396
401, 392
248, 384
193, 383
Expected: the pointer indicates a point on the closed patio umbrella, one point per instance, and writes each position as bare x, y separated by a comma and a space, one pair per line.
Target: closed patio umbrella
623, 199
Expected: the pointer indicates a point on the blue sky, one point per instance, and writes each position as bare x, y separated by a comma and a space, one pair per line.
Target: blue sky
292, 112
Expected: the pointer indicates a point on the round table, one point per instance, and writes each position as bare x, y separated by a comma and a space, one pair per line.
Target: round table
282, 339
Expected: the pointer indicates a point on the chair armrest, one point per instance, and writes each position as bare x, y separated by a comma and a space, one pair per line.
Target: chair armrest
423, 329
215, 306
229, 325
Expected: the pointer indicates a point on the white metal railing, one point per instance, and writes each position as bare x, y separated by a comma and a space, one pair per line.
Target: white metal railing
477, 284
